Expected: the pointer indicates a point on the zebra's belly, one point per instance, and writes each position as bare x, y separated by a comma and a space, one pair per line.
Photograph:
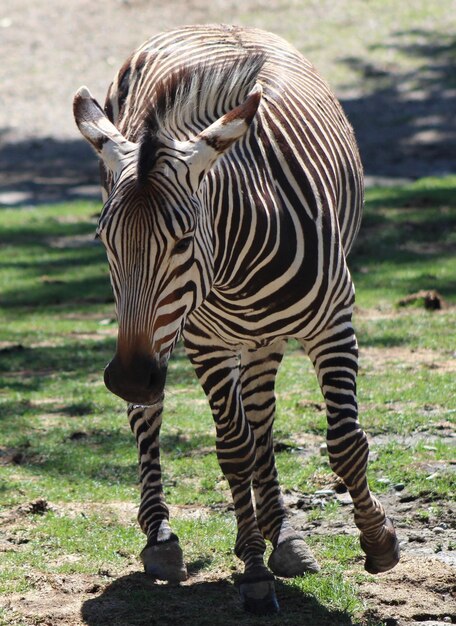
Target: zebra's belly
237, 323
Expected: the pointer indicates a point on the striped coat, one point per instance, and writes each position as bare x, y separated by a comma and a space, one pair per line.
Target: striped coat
233, 193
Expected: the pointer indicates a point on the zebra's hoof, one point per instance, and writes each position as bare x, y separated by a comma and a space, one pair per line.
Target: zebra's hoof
164, 561
383, 557
292, 557
258, 596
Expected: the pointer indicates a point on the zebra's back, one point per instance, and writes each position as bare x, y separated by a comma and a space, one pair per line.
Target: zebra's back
295, 95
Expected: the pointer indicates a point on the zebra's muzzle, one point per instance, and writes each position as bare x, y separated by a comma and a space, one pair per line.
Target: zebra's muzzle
141, 381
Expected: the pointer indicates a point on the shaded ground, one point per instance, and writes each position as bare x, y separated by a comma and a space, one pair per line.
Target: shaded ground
392, 65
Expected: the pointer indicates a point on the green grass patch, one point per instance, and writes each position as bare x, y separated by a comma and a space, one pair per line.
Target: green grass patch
418, 466
407, 242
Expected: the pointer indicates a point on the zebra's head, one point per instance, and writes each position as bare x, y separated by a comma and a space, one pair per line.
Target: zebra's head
158, 235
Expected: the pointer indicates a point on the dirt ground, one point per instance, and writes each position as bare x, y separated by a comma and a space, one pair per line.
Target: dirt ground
421, 590
391, 64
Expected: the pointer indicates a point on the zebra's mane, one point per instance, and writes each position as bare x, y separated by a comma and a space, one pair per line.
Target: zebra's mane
191, 99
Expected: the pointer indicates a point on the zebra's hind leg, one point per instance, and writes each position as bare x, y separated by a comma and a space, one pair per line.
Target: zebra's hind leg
162, 556
291, 555
334, 354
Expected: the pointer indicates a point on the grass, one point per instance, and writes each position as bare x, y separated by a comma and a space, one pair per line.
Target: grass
65, 439
413, 229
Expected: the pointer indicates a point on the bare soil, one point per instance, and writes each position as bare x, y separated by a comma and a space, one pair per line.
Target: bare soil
423, 586
391, 64
420, 590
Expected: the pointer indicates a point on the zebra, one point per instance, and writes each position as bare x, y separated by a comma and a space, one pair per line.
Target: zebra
233, 192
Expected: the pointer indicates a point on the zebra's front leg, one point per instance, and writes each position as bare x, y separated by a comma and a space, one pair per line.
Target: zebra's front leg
335, 357
236, 455
218, 372
291, 555
162, 556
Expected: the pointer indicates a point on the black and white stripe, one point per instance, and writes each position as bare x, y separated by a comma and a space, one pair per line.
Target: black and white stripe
238, 198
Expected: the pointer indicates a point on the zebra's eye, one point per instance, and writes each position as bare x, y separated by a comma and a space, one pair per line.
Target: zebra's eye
182, 245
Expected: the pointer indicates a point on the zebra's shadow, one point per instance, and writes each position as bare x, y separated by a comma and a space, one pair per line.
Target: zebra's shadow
136, 600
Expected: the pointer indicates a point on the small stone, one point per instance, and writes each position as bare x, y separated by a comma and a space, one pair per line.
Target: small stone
344, 499
123, 553
407, 497
438, 530
399, 487
431, 448
447, 619
384, 481
325, 492
323, 449
432, 476
417, 538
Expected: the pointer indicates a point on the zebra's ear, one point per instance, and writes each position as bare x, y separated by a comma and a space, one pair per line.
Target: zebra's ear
110, 145
204, 150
